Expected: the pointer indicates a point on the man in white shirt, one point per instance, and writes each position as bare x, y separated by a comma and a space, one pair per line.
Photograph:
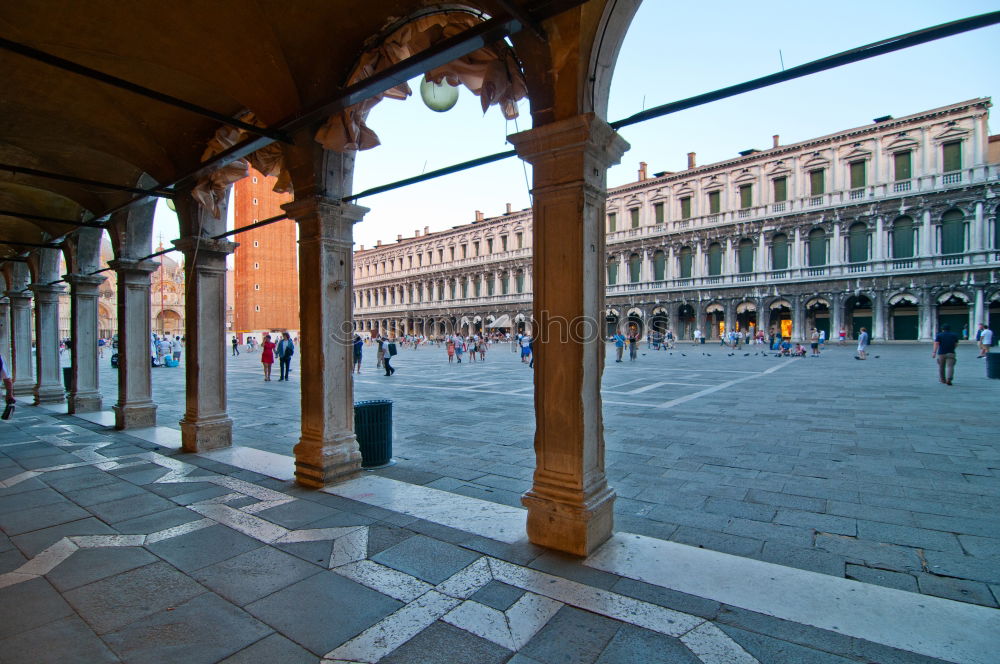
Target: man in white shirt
985, 340
176, 347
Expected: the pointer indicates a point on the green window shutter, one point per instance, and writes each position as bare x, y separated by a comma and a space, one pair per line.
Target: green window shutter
952, 156
714, 200
901, 166
520, 282
857, 244
779, 252
715, 260
658, 212
817, 182
634, 268
902, 238
634, 214
504, 285
465, 289
612, 222
746, 196
858, 174
686, 207
659, 266
685, 260
780, 190
996, 232
746, 256
952, 232
612, 272
817, 248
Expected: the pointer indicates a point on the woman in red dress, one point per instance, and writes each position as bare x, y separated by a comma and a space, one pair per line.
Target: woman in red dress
267, 356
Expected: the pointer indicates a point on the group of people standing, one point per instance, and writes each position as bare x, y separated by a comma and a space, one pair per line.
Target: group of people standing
457, 346
162, 348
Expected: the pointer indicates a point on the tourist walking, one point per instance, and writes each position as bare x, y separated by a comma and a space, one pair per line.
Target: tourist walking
633, 346
862, 345
450, 347
236, 347
525, 348
389, 349
286, 349
459, 347
380, 353
359, 346
843, 336
814, 342
267, 356
8, 388
619, 339
176, 347
944, 350
985, 337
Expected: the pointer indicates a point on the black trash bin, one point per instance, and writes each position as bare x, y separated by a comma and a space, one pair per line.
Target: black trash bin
993, 365
373, 427
68, 377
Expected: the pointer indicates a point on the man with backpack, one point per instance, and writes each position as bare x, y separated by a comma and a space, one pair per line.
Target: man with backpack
285, 351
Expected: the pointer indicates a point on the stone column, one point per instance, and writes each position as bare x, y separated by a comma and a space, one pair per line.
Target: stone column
135, 407
979, 311
836, 315
84, 391
879, 317
570, 505
5, 332
798, 318
49, 388
20, 342
328, 449
797, 249
926, 310
729, 313
206, 424
879, 239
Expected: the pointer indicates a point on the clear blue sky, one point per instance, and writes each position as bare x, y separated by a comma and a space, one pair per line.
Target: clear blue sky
674, 50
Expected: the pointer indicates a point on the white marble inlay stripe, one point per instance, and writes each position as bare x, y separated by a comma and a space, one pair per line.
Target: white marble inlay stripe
252, 526
102, 417
392, 631
604, 602
177, 531
350, 548
483, 621
721, 386
17, 479
101, 541
467, 581
14, 578
385, 580
316, 534
47, 560
163, 436
949, 630
491, 520
713, 646
278, 466
527, 616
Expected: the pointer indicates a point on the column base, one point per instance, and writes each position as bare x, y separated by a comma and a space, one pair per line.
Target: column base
49, 394
320, 463
135, 416
205, 435
84, 403
23, 389
574, 529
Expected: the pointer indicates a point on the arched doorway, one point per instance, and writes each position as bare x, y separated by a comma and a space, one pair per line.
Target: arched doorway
953, 310
169, 322
611, 319
685, 321
858, 314
659, 321
746, 317
904, 317
818, 316
715, 317
780, 319
634, 323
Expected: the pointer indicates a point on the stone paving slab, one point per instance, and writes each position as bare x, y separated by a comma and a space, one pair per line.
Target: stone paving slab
215, 589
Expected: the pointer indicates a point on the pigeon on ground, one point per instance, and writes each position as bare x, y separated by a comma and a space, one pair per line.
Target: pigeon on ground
683, 354
746, 354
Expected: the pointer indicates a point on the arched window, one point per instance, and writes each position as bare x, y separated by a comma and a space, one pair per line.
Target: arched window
952, 232
817, 248
746, 256
779, 252
684, 258
519, 281
659, 266
465, 288
902, 237
612, 271
634, 268
504, 283
714, 259
857, 243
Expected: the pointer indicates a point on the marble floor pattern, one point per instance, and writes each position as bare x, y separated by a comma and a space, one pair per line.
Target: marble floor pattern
115, 548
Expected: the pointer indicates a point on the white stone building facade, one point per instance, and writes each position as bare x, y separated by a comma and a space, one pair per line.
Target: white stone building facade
892, 226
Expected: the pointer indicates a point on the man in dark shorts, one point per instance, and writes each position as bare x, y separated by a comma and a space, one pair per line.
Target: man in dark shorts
814, 342
944, 350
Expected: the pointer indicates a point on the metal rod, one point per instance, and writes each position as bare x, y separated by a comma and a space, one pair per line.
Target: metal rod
114, 81
250, 227
34, 172
31, 244
447, 170
50, 220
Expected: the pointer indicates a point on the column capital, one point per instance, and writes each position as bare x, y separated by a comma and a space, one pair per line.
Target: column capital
564, 138
77, 280
18, 295
46, 292
206, 245
128, 265
324, 207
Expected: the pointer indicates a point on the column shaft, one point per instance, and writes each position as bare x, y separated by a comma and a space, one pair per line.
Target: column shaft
135, 407
49, 387
570, 503
20, 342
84, 391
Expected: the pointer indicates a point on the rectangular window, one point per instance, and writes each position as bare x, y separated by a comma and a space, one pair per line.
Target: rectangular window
490, 285
465, 251
858, 179
817, 182
420, 259
780, 189
952, 154
686, 207
489, 246
612, 222
902, 166
746, 196
503, 243
612, 273
409, 261
519, 282
504, 285
714, 202
658, 212
520, 241
451, 252
440, 257
465, 289
475, 248
634, 214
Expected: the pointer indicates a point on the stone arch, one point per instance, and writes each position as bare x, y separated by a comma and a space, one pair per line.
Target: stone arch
904, 316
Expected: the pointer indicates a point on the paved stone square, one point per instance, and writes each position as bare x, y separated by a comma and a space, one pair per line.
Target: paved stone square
116, 549
866, 470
